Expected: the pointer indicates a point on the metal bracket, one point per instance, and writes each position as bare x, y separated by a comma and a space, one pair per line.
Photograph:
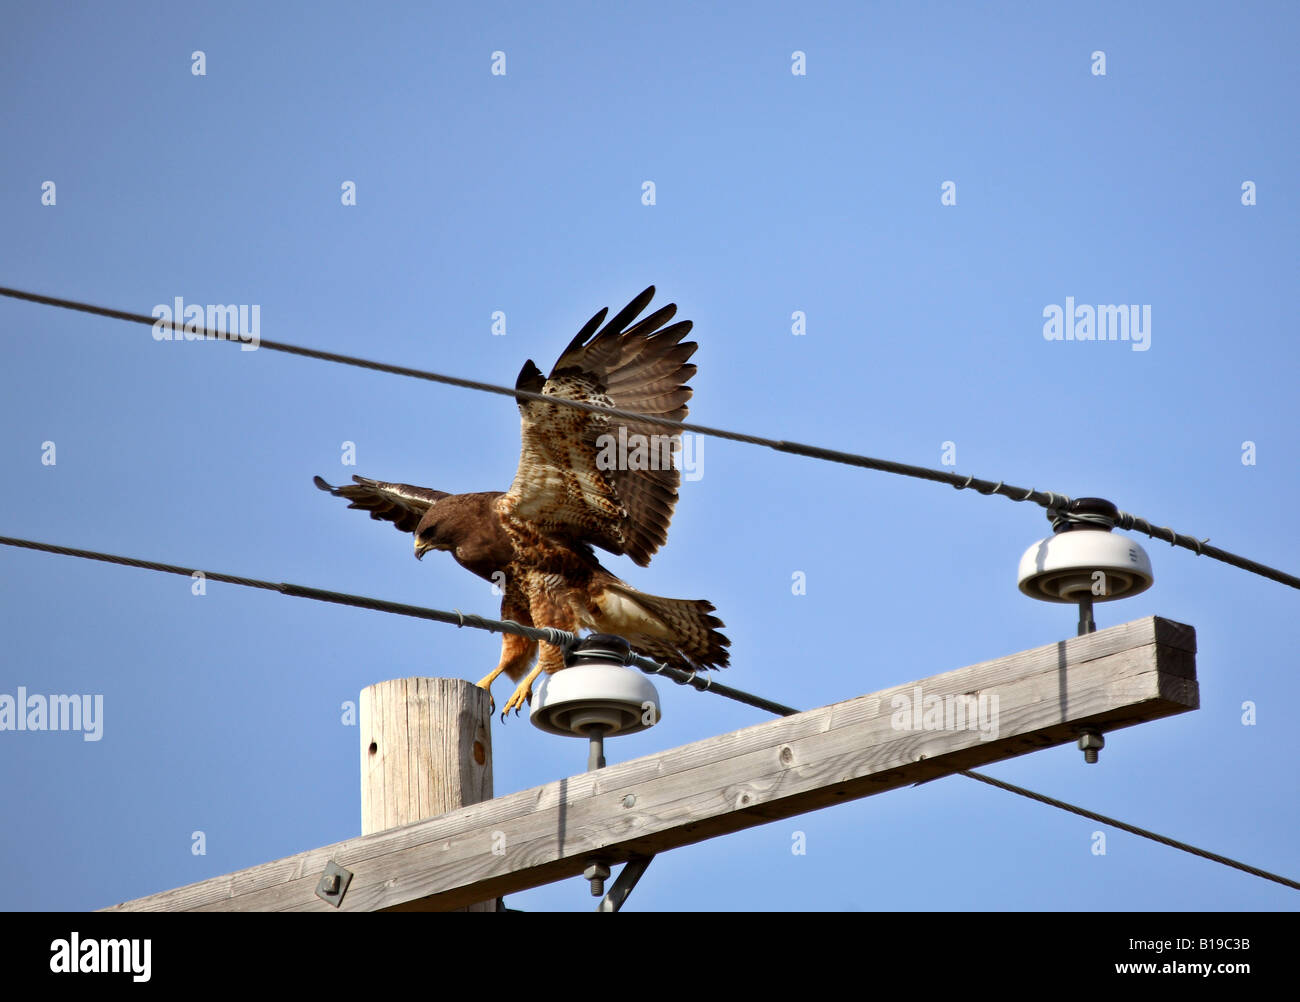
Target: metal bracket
627, 879
334, 883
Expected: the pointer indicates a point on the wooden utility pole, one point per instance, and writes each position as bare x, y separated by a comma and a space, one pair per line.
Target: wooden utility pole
909, 733
426, 750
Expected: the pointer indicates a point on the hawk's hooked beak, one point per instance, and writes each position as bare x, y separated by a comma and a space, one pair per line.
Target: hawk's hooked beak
421, 548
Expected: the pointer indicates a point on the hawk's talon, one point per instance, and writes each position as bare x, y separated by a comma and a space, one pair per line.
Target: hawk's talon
523, 694
485, 684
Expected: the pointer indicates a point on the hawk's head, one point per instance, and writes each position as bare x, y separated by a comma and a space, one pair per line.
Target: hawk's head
466, 526
432, 534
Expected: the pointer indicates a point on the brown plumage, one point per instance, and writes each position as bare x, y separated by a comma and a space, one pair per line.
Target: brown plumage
584, 480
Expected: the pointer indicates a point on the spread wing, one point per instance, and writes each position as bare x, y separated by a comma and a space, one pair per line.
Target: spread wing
594, 478
401, 504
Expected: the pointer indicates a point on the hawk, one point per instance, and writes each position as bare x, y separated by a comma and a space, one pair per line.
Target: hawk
584, 480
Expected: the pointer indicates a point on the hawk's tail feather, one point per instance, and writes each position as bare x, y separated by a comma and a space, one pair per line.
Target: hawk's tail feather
691, 642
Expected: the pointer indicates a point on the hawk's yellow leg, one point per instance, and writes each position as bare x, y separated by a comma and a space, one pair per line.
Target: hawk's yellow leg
516, 653
550, 661
524, 692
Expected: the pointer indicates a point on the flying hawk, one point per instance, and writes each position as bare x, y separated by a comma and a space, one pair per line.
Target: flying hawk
578, 485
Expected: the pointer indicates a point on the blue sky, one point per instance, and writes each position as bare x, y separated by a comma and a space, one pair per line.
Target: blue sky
774, 193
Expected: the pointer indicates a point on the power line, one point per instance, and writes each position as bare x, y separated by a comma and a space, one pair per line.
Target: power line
1050, 500
550, 635
1116, 823
565, 639
1132, 829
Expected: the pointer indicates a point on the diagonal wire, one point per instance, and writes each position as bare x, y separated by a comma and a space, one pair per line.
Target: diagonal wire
1042, 798
1047, 499
1132, 829
550, 635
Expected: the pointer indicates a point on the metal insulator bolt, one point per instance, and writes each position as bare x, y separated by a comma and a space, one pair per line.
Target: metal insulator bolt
1091, 742
597, 873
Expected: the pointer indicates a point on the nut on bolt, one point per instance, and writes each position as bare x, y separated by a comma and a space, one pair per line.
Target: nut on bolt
1091, 742
597, 873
